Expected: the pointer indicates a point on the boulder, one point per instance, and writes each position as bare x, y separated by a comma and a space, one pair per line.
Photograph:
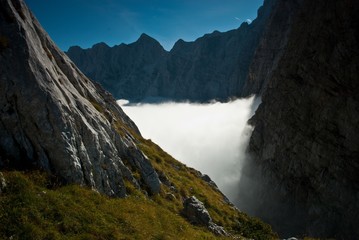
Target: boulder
207, 179
197, 214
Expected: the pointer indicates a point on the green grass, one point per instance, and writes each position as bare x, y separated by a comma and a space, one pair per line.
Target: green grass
31, 207
31, 210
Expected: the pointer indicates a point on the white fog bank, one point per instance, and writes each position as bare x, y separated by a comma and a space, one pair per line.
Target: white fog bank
211, 138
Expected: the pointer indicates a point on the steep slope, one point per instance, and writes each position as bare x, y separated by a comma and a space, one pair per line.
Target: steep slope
214, 66
305, 144
56, 120
50, 114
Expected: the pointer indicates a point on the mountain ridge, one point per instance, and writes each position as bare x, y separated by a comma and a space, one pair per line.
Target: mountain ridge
213, 66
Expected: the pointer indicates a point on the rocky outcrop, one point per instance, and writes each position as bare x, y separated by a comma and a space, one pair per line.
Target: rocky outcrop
305, 144
54, 118
214, 66
197, 214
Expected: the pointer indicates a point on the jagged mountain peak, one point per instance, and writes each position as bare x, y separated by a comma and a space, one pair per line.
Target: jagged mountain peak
75, 48
145, 37
100, 46
147, 41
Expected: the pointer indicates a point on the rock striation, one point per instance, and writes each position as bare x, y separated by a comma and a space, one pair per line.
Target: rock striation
305, 145
214, 66
54, 118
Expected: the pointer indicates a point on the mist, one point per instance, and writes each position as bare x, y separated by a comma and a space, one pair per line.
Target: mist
211, 138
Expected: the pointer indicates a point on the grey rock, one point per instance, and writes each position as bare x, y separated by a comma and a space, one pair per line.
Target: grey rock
164, 179
218, 230
54, 118
214, 66
138, 160
196, 213
207, 179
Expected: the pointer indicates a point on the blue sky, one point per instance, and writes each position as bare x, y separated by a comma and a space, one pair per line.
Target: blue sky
86, 22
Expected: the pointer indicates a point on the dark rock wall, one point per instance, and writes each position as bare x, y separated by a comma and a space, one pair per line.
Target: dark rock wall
271, 46
305, 144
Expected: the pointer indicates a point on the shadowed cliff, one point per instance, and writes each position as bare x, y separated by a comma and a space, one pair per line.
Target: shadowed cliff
303, 170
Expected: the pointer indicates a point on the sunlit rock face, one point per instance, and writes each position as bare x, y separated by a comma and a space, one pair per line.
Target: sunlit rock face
214, 66
54, 118
305, 144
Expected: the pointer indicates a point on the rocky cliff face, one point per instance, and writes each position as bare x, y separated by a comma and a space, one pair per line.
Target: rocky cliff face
214, 66
305, 144
271, 46
55, 118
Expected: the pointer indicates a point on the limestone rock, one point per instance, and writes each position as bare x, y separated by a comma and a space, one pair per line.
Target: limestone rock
54, 118
196, 213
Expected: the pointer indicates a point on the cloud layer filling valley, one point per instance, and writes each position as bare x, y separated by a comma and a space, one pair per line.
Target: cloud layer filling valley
211, 138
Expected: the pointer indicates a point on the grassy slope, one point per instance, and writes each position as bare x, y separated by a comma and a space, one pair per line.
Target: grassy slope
30, 209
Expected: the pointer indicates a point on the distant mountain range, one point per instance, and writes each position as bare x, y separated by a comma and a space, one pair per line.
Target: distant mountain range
214, 66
